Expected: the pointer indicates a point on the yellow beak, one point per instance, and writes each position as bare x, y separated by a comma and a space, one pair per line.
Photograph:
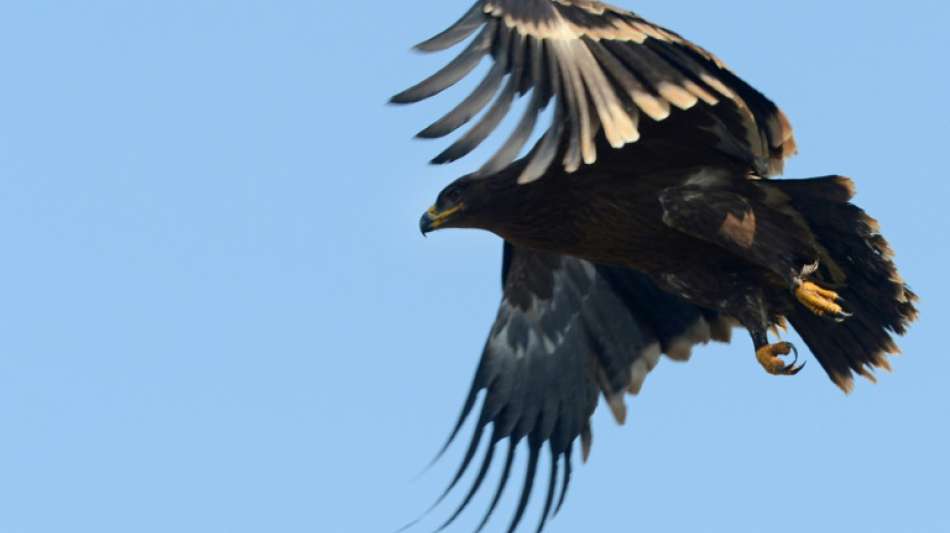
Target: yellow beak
433, 219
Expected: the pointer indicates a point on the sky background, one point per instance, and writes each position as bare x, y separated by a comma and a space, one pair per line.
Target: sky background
218, 314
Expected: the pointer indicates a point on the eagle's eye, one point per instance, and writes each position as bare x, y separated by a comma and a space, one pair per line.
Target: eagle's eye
452, 196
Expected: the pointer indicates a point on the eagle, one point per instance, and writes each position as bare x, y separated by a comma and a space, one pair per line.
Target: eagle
642, 222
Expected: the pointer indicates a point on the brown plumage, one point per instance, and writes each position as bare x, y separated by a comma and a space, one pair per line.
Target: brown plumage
642, 222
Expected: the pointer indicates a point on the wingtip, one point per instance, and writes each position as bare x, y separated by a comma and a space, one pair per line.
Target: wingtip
401, 98
423, 48
431, 132
408, 526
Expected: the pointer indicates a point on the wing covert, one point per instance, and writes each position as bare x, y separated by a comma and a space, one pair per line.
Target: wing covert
606, 69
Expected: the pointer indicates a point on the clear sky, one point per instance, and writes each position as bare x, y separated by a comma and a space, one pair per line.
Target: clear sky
218, 314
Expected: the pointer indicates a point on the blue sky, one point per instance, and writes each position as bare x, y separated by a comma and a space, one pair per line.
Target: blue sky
218, 314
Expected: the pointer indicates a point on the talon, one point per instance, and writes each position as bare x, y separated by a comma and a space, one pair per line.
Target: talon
768, 357
794, 356
822, 302
796, 370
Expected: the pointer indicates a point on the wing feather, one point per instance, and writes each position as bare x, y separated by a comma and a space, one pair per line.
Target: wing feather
471, 105
502, 483
552, 489
638, 94
530, 472
567, 331
456, 33
510, 149
611, 66
546, 150
479, 479
576, 101
450, 74
482, 128
565, 480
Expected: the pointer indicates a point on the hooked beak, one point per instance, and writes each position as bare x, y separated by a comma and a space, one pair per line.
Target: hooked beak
433, 219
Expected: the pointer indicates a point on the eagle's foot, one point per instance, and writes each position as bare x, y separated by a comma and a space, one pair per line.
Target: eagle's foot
768, 357
822, 302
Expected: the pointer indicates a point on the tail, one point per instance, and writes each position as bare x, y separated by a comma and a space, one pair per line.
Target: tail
857, 263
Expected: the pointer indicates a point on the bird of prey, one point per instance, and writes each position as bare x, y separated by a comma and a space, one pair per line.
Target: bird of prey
641, 223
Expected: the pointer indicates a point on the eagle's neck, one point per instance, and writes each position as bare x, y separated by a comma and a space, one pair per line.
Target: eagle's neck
616, 221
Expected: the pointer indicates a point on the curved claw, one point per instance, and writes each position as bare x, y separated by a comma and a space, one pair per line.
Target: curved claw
790, 369
795, 370
794, 352
842, 316
768, 357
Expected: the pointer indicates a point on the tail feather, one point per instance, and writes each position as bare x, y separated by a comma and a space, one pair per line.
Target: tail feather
858, 263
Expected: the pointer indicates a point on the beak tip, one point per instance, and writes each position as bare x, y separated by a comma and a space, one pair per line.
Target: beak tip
425, 224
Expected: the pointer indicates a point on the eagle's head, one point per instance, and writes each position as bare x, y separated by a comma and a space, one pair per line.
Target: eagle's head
540, 215
464, 203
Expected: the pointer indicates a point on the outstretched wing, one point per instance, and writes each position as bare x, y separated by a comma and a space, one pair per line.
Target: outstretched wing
604, 67
567, 331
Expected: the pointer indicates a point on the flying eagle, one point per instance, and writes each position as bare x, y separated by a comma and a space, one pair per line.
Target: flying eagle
641, 223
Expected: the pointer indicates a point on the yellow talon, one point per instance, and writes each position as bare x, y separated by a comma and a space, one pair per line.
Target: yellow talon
768, 357
822, 302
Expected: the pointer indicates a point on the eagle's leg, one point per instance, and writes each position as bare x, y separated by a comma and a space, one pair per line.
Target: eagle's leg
818, 300
754, 315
